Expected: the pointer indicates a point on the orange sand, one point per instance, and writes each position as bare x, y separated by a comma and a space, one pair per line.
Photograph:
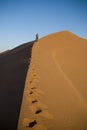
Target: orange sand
58, 79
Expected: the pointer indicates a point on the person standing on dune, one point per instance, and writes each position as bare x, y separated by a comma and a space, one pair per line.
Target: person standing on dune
37, 37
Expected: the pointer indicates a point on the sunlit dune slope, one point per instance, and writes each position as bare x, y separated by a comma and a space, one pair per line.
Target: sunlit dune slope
58, 71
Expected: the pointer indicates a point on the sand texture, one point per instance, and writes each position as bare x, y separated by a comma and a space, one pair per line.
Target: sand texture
55, 94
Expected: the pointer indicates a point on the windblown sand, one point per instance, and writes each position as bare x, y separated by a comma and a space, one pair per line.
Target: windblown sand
56, 85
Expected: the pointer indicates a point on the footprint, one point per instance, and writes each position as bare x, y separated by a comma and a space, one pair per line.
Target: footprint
30, 82
34, 101
32, 124
33, 88
26, 121
31, 92
34, 75
38, 111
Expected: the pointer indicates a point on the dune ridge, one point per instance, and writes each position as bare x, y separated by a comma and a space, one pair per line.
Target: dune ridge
58, 72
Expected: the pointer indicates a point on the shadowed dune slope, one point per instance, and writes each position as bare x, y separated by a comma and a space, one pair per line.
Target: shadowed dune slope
13, 69
58, 69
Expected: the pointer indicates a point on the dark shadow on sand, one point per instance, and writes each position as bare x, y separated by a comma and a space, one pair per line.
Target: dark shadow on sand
13, 69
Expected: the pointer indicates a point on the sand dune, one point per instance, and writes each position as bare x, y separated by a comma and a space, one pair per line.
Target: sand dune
13, 68
57, 84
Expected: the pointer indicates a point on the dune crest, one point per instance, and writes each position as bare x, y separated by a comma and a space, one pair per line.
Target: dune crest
57, 82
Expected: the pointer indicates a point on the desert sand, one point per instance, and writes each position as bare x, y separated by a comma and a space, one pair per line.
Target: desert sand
55, 94
13, 69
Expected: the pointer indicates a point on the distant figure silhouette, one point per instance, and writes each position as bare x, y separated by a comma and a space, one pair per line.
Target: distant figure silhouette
37, 37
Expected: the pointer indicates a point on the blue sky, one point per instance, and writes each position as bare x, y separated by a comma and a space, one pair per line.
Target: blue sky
20, 20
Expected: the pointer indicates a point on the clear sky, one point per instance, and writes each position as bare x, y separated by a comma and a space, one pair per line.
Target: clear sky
20, 20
